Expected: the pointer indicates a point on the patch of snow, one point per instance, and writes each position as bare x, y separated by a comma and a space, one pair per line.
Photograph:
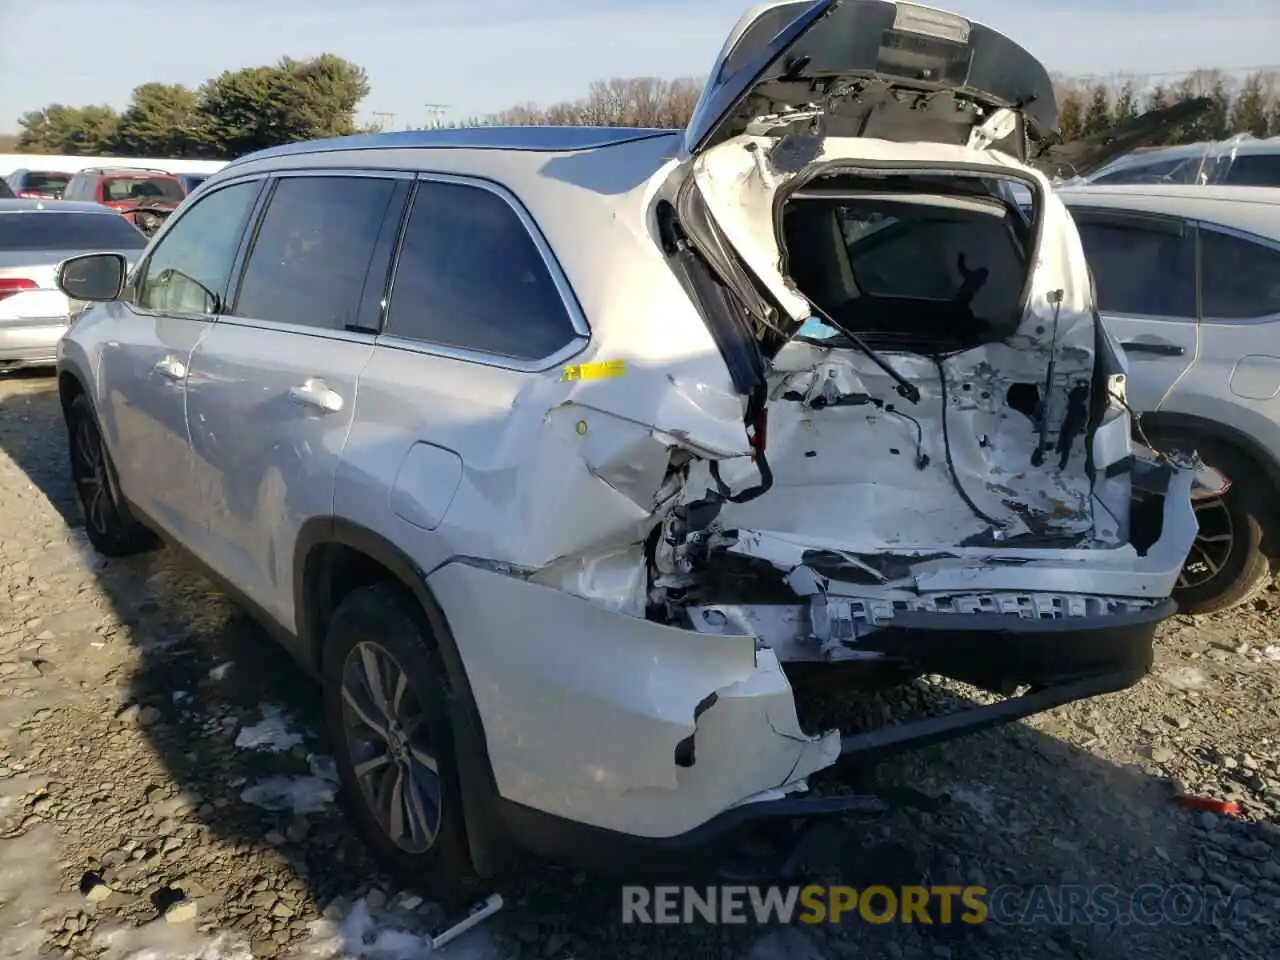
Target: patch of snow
980, 800
30, 898
299, 794
221, 670
1271, 652
1186, 678
363, 936
272, 733
165, 941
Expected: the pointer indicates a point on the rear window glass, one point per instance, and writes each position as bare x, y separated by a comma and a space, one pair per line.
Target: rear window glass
39, 182
68, 231
923, 266
115, 189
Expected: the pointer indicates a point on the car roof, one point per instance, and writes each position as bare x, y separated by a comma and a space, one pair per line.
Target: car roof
540, 139
1251, 209
55, 206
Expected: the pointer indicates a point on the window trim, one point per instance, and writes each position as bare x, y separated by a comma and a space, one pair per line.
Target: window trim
139, 272
250, 239
577, 318
1203, 227
1156, 223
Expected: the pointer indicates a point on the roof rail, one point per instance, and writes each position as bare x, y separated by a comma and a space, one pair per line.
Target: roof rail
147, 170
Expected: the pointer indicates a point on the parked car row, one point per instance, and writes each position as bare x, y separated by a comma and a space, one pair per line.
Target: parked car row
144, 196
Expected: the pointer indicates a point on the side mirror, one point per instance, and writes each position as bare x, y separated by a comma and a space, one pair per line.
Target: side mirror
94, 277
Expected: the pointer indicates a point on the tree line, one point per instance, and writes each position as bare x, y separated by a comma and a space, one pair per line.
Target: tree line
234, 113
244, 110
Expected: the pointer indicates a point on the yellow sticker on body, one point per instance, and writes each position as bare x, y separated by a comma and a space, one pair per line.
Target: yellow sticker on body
595, 371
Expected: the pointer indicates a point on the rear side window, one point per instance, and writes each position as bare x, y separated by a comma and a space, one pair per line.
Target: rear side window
1140, 270
68, 231
470, 276
1254, 170
311, 257
1239, 278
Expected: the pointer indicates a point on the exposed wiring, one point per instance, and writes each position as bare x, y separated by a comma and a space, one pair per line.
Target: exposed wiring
946, 447
922, 458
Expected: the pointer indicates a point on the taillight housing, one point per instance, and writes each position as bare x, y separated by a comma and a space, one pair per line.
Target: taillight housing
11, 285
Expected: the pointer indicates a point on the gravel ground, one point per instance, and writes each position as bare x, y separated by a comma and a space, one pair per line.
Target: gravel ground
164, 793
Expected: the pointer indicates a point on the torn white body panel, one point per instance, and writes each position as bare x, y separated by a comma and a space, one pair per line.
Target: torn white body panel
583, 708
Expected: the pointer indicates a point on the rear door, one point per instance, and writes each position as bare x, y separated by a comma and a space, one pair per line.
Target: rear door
273, 385
1144, 268
1236, 379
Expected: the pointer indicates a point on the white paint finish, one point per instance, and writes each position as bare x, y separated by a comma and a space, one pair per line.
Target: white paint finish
1154, 374
425, 485
583, 708
263, 462
1116, 572
1256, 377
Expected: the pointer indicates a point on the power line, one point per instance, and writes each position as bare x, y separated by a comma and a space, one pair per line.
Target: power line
1147, 74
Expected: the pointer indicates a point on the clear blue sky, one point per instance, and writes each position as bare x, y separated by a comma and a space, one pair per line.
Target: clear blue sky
480, 56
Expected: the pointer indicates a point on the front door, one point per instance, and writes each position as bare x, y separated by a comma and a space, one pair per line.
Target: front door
273, 384
1145, 271
169, 306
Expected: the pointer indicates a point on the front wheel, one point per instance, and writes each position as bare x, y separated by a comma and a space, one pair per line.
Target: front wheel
1227, 565
388, 724
108, 523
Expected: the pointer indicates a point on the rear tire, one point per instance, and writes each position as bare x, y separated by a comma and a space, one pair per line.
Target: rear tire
1227, 565
110, 526
385, 706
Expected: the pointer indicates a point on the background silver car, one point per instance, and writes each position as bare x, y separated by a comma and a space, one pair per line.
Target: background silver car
1188, 280
35, 236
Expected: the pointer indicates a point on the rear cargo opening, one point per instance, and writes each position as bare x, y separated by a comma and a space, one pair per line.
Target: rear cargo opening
926, 263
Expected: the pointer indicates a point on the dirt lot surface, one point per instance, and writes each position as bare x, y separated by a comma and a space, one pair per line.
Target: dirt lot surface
164, 793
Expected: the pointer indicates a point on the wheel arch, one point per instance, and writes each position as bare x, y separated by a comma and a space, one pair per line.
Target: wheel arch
1238, 440
333, 556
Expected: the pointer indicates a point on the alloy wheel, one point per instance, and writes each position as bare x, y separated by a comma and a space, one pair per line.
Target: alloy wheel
1213, 544
389, 744
92, 479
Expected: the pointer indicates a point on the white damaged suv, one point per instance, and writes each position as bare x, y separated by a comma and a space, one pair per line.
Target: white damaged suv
552, 450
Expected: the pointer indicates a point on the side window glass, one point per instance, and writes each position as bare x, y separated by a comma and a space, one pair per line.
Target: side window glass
312, 253
187, 272
1141, 271
470, 276
1239, 278
1253, 170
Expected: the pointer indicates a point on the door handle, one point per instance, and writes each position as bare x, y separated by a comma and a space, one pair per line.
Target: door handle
314, 393
1160, 348
171, 368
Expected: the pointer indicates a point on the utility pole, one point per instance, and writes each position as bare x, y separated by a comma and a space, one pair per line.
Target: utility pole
435, 111
383, 119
